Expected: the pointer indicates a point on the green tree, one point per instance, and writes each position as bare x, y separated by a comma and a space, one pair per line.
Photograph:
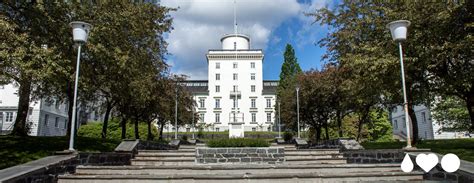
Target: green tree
287, 84
451, 114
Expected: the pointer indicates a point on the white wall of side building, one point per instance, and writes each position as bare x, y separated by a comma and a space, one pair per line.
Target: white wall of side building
423, 116
44, 118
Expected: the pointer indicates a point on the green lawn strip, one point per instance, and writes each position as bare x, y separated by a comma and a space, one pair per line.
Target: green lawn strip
463, 148
19, 150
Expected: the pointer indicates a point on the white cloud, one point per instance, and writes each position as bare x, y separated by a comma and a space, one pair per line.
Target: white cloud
199, 25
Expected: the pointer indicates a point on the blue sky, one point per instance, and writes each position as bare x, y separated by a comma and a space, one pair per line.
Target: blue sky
271, 24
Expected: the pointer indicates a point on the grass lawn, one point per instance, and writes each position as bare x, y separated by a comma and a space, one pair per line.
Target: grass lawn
463, 148
18, 150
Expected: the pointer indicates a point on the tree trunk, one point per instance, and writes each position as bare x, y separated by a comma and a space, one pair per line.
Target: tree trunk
362, 120
326, 129
339, 122
20, 128
106, 120
161, 129
137, 135
414, 124
318, 133
470, 109
123, 123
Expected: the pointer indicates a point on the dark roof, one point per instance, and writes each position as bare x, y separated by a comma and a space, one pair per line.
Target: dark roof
196, 86
270, 86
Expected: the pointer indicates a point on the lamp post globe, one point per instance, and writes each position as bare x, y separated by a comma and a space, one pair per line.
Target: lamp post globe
398, 30
80, 33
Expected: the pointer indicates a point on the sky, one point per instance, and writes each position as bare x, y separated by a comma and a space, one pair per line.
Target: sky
198, 26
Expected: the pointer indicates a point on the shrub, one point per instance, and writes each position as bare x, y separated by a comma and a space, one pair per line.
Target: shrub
238, 142
184, 138
287, 136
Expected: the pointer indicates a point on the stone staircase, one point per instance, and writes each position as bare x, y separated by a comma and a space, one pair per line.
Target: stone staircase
318, 165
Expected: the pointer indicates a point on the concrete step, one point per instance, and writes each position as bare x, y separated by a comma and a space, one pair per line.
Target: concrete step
176, 162
311, 151
307, 153
304, 161
187, 147
225, 169
167, 154
319, 156
246, 177
165, 158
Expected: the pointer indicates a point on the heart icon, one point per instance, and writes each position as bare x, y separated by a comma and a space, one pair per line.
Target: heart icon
427, 161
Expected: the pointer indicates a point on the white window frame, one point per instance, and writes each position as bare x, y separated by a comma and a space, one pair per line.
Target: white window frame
218, 65
46, 119
269, 117
252, 88
254, 117
218, 77
8, 117
202, 103
235, 76
269, 103
235, 65
201, 117
218, 117
252, 65
252, 76
218, 88
253, 103
218, 103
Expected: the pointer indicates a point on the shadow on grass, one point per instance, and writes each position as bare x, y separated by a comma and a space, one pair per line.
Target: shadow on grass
463, 148
18, 150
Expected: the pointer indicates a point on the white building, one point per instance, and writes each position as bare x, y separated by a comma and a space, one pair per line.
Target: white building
423, 116
45, 118
235, 93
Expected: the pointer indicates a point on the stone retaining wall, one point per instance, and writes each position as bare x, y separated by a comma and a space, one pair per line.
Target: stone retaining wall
247, 155
374, 156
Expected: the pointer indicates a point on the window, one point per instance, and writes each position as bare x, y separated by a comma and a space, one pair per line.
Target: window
236, 76
426, 135
9, 117
218, 117
46, 118
218, 77
201, 117
217, 129
236, 103
188, 129
56, 122
218, 103
254, 117
218, 88
269, 117
252, 88
218, 65
236, 88
1, 118
201, 103
235, 45
235, 65
65, 123
404, 124
254, 129
395, 124
253, 103
252, 76
423, 116
57, 105
252, 65
269, 103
